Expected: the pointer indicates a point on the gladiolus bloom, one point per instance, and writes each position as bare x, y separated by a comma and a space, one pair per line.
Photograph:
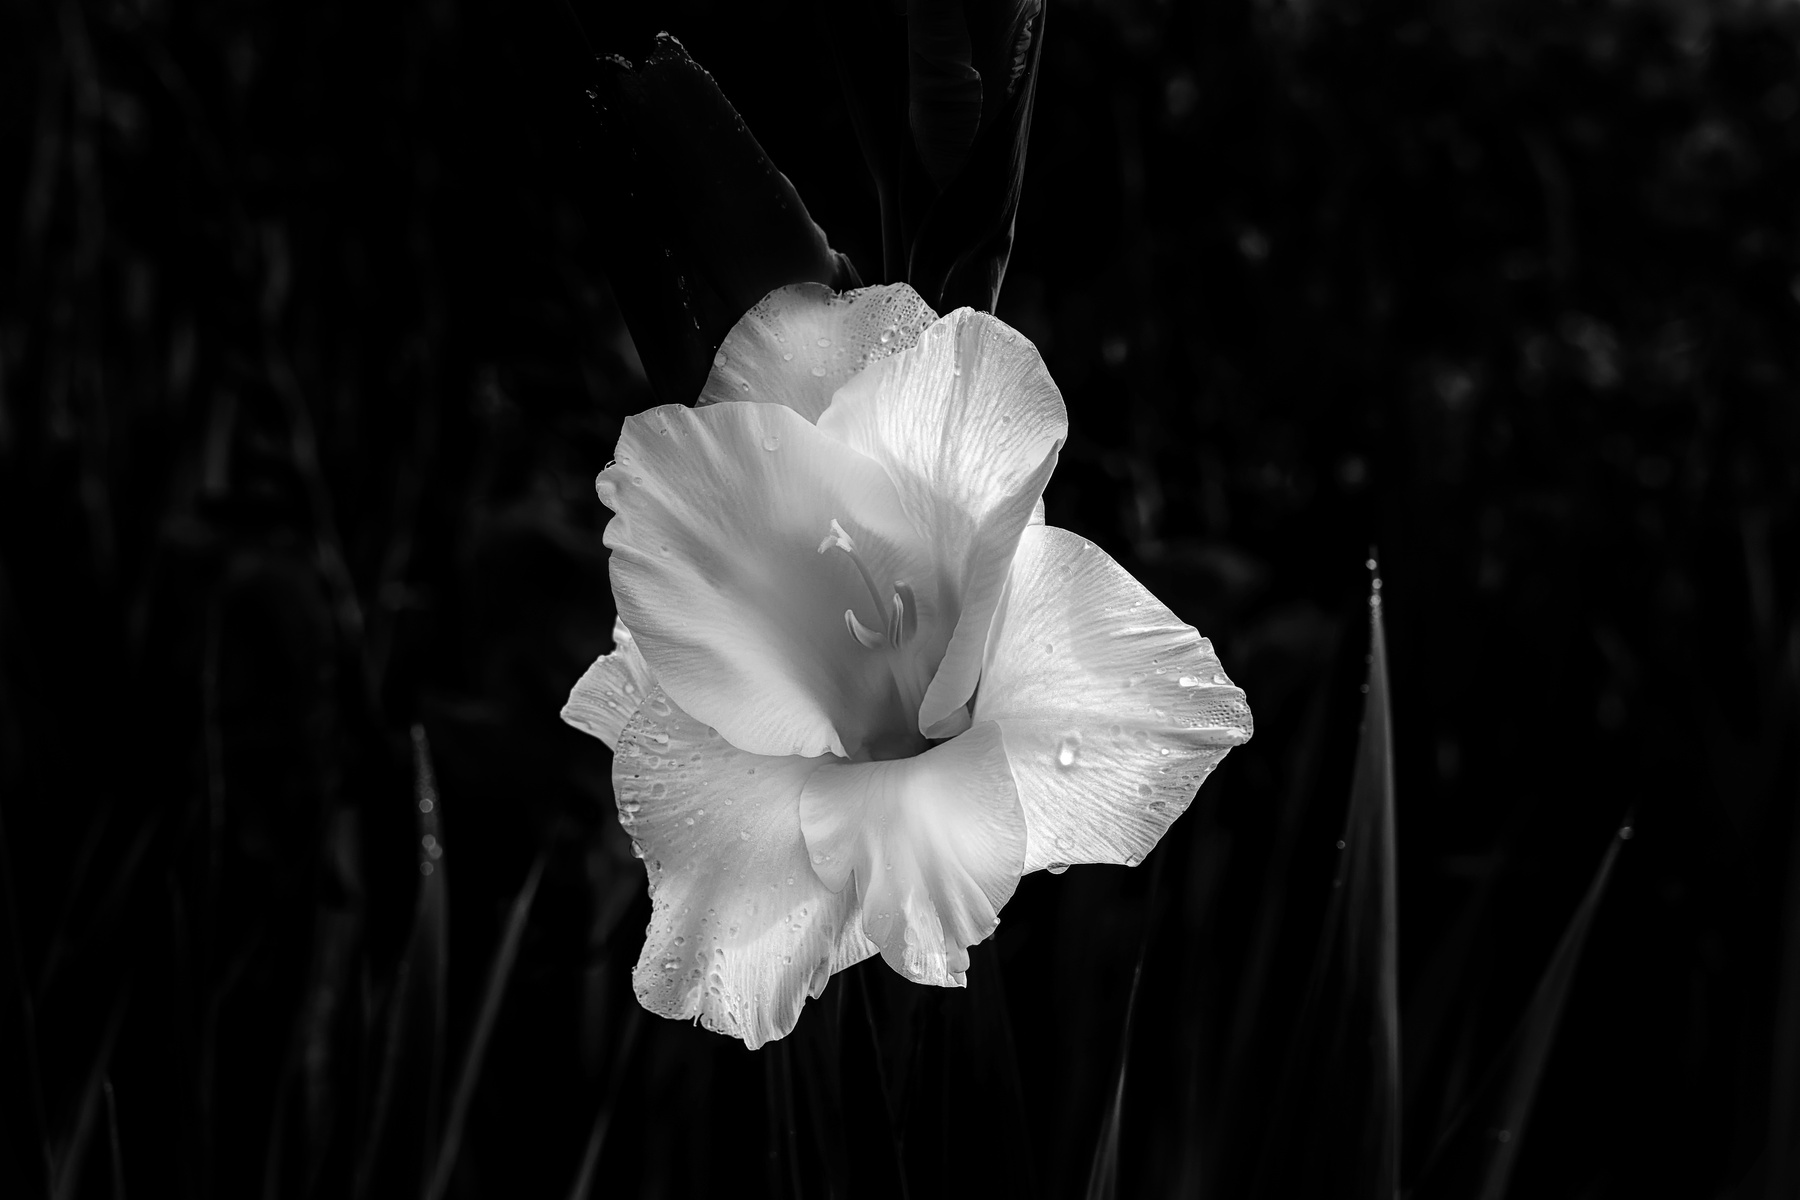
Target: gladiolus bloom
859, 687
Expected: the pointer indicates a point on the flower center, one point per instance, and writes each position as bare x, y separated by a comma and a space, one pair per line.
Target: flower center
900, 618
897, 616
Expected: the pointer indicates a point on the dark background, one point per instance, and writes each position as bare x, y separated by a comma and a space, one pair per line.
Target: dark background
308, 361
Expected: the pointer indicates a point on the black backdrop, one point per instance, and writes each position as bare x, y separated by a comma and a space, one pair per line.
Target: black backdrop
307, 362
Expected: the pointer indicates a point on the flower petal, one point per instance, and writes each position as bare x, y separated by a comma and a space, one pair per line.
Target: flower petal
741, 930
800, 343
716, 568
1113, 710
969, 424
934, 844
608, 692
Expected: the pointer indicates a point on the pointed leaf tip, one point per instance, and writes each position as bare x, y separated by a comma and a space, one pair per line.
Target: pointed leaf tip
1337, 1126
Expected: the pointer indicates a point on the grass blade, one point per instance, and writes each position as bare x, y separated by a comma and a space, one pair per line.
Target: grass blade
505, 955
1103, 1178
1498, 1111
414, 1027
70, 1156
609, 1103
112, 1139
1336, 1131
1537, 1032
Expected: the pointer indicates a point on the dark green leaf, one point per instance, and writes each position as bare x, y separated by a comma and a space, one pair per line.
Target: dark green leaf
71, 1150
1337, 1126
469, 1072
1478, 1153
399, 1146
947, 205
701, 223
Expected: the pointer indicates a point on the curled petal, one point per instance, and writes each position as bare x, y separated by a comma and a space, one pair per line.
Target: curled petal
716, 568
934, 845
608, 692
799, 344
968, 424
1113, 710
741, 930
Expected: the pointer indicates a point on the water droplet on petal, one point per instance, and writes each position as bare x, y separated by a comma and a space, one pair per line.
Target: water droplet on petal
1188, 681
743, 835
719, 359
818, 372
823, 342
1068, 751
788, 357
772, 442
1057, 868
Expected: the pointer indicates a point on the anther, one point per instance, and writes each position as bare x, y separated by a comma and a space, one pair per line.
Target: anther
868, 637
843, 541
906, 614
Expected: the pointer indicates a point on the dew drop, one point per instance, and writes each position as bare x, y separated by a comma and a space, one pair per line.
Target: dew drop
743, 835
772, 442
1068, 751
719, 359
1133, 860
818, 372
824, 342
669, 964
1188, 681
788, 357
1057, 868
1144, 789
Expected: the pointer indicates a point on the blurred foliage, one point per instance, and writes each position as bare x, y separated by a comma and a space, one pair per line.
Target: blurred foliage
307, 363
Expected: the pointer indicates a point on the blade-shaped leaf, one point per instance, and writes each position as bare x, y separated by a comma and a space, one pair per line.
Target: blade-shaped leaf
71, 1154
960, 251
947, 232
1478, 1153
1103, 1177
469, 1072
609, 1103
1337, 1127
702, 223
409, 1081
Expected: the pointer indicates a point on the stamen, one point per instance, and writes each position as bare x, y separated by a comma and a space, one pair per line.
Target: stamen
906, 606
843, 541
868, 637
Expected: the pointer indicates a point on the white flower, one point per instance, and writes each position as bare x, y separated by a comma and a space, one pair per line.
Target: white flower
864, 687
